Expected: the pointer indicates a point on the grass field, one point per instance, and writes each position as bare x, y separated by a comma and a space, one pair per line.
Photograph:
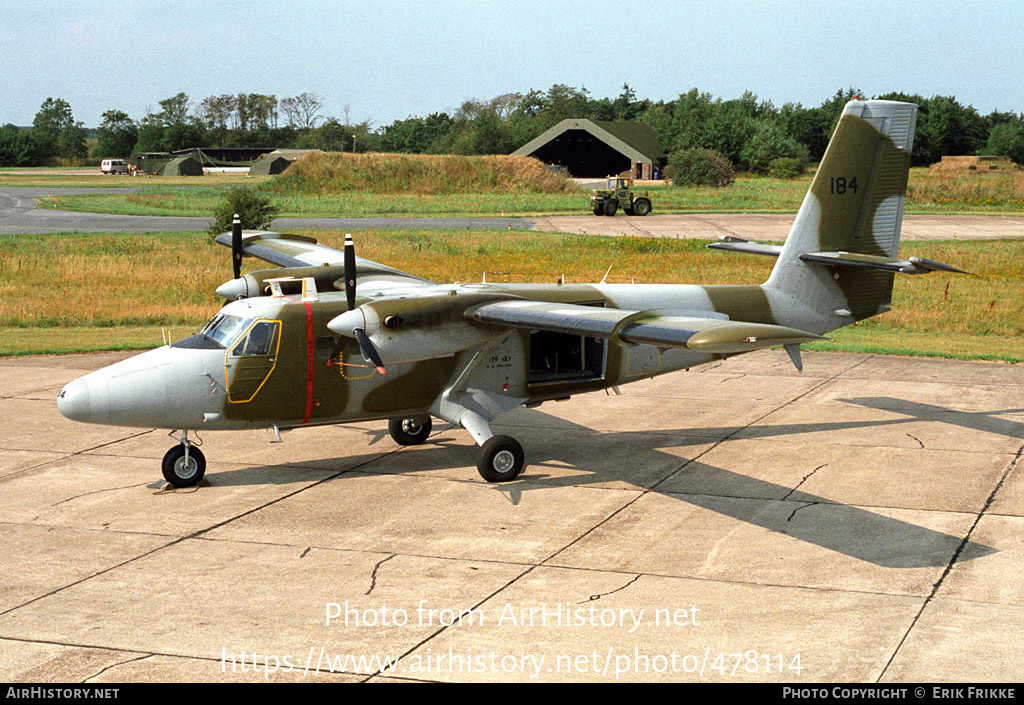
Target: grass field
78, 292
929, 192
56, 177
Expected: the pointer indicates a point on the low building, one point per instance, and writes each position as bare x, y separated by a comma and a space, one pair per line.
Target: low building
985, 162
208, 158
185, 165
595, 148
277, 161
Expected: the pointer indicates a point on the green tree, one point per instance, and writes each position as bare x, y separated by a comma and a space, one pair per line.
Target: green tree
150, 135
256, 210
18, 148
1007, 139
71, 143
416, 135
53, 118
768, 143
698, 167
174, 109
828, 118
118, 134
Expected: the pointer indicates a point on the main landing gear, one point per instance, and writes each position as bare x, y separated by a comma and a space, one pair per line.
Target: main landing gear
501, 457
184, 465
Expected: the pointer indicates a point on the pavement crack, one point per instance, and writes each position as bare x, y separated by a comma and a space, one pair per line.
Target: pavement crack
806, 478
108, 489
115, 665
598, 596
74, 454
952, 561
373, 575
916, 439
804, 506
308, 549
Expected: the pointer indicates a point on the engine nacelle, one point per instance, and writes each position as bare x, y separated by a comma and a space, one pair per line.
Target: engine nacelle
413, 329
327, 277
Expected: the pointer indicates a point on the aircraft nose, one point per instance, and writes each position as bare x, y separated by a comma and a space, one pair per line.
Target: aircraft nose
73, 401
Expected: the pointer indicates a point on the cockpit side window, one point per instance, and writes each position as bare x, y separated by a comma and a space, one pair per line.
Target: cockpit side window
258, 342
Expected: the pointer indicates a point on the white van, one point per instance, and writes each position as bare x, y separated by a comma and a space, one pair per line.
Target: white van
114, 166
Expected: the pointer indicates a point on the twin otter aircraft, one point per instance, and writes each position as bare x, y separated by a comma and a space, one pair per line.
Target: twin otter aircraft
298, 346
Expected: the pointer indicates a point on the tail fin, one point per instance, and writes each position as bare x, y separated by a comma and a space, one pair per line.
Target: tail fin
854, 205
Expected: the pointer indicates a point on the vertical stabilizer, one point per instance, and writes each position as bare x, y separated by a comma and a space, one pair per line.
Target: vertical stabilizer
855, 204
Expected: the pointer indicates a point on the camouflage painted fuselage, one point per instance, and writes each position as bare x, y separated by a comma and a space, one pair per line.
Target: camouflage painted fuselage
195, 385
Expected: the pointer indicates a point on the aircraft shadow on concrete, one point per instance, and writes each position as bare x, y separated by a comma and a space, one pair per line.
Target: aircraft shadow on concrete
845, 529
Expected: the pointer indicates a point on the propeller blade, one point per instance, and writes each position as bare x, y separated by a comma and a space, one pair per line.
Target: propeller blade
350, 272
236, 245
335, 357
369, 352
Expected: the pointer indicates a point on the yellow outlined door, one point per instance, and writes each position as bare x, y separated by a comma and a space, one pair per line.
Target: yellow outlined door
251, 361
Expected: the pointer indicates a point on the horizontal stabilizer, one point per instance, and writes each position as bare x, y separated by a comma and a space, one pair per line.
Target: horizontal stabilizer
737, 336
738, 244
914, 265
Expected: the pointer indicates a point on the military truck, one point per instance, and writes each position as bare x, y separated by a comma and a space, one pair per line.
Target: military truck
619, 194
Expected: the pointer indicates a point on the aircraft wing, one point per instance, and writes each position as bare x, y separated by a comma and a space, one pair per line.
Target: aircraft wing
701, 331
301, 251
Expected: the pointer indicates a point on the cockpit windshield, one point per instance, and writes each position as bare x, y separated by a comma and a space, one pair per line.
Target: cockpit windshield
224, 328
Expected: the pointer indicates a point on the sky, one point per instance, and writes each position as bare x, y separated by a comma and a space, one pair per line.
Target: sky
391, 59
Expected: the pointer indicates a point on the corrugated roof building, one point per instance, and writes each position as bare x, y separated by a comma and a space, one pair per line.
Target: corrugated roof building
597, 148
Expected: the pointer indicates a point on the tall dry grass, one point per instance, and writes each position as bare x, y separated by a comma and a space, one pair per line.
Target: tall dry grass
72, 280
966, 190
427, 174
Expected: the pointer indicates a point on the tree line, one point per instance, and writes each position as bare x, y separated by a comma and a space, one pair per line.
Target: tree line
748, 131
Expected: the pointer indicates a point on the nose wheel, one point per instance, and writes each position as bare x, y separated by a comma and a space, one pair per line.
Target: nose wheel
184, 465
410, 432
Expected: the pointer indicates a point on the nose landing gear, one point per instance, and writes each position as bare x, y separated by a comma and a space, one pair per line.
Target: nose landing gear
184, 465
410, 432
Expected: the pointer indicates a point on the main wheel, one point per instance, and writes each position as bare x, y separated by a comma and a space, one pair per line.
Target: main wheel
610, 206
182, 474
501, 459
409, 432
641, 206
598, 211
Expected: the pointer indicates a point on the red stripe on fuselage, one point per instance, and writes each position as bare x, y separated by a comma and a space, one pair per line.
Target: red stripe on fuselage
309, 364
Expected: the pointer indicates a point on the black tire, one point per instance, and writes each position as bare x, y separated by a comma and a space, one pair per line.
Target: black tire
641, 206
501, 459
410, 432
175, 470
598, 211
610, 206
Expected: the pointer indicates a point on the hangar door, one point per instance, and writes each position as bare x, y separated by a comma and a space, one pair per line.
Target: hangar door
583, 155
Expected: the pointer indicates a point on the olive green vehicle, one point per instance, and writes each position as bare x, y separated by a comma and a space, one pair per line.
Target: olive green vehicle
619, 194
301, 346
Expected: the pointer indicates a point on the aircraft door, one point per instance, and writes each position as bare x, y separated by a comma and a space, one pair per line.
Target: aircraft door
252, 360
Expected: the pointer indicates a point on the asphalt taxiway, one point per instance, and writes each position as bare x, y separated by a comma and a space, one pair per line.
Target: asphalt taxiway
861, 521
20, 214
